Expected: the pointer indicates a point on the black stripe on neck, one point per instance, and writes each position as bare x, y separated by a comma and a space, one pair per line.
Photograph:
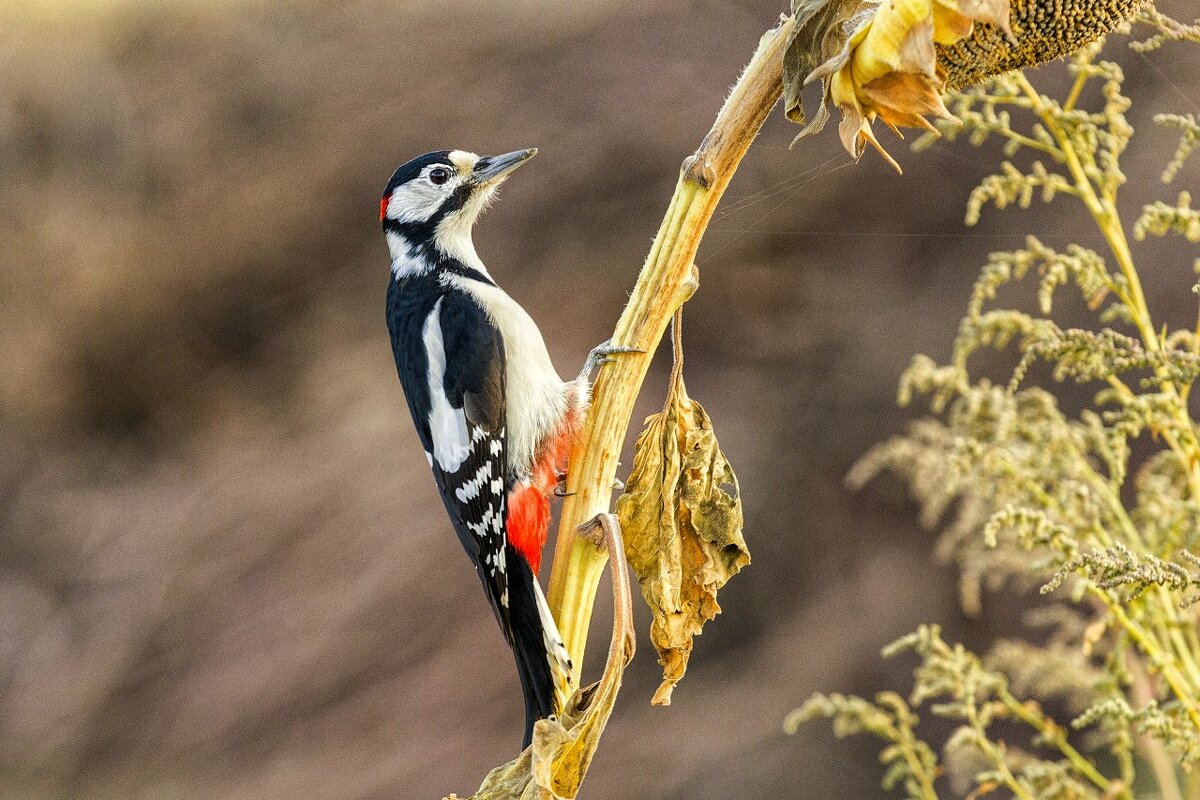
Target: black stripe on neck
422, 231
453, 266
419, 238
442, 264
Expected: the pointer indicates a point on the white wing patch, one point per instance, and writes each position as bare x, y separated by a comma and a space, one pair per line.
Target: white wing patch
470, 490
502, 565
480, 493
447, 425
489, 530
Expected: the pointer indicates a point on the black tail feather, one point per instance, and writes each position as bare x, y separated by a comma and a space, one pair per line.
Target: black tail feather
529, 642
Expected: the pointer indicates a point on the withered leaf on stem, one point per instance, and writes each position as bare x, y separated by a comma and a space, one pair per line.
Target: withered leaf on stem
681, 514
555, 763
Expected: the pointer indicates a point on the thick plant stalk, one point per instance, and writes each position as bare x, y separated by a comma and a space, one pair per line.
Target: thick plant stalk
666, 281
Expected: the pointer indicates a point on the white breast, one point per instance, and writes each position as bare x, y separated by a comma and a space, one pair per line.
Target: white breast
536, 398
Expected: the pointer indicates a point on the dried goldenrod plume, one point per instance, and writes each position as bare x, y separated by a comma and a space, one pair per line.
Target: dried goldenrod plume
892, 59
1097, 510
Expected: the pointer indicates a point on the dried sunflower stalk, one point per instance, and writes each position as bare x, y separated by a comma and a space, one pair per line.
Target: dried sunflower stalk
877, 58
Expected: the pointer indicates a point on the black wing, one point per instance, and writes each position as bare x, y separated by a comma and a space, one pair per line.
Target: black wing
474, 490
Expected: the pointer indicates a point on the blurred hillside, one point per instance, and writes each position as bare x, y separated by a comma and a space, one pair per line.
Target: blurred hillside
224, 571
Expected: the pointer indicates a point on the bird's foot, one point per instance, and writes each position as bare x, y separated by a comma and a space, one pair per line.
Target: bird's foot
603, 354
560, 485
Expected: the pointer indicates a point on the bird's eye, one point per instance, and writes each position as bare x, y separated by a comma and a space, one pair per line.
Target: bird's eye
438, 176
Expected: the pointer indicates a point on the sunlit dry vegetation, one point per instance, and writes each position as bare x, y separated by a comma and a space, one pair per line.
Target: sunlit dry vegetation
223, 568
1096, 508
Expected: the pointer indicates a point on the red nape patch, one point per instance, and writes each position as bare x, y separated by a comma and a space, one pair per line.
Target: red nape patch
383, 208
528, 522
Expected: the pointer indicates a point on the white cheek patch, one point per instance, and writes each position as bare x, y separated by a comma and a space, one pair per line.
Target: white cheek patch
447, 425
470, 490
419, 199
415, 201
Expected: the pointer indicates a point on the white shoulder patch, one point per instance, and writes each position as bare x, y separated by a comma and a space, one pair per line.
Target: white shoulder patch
447, 425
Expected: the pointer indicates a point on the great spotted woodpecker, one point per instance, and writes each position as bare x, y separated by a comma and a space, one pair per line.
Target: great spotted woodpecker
495, 419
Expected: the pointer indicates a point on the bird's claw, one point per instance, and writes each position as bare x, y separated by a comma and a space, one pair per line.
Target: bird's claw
560, 484
560, 488
603, 354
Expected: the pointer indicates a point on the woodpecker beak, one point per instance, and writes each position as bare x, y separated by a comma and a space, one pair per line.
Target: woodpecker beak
493, 169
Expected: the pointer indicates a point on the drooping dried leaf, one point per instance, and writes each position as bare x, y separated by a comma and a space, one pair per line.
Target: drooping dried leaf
892, 60
820, 31
682, 517
555, 763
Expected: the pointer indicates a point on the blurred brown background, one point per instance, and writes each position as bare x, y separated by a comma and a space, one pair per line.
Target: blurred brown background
224, 572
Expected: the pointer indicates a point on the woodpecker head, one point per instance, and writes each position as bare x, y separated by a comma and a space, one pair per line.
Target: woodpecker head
431, 203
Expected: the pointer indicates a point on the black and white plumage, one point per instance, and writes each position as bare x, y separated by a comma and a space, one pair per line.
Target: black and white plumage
491, 412
451, 363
